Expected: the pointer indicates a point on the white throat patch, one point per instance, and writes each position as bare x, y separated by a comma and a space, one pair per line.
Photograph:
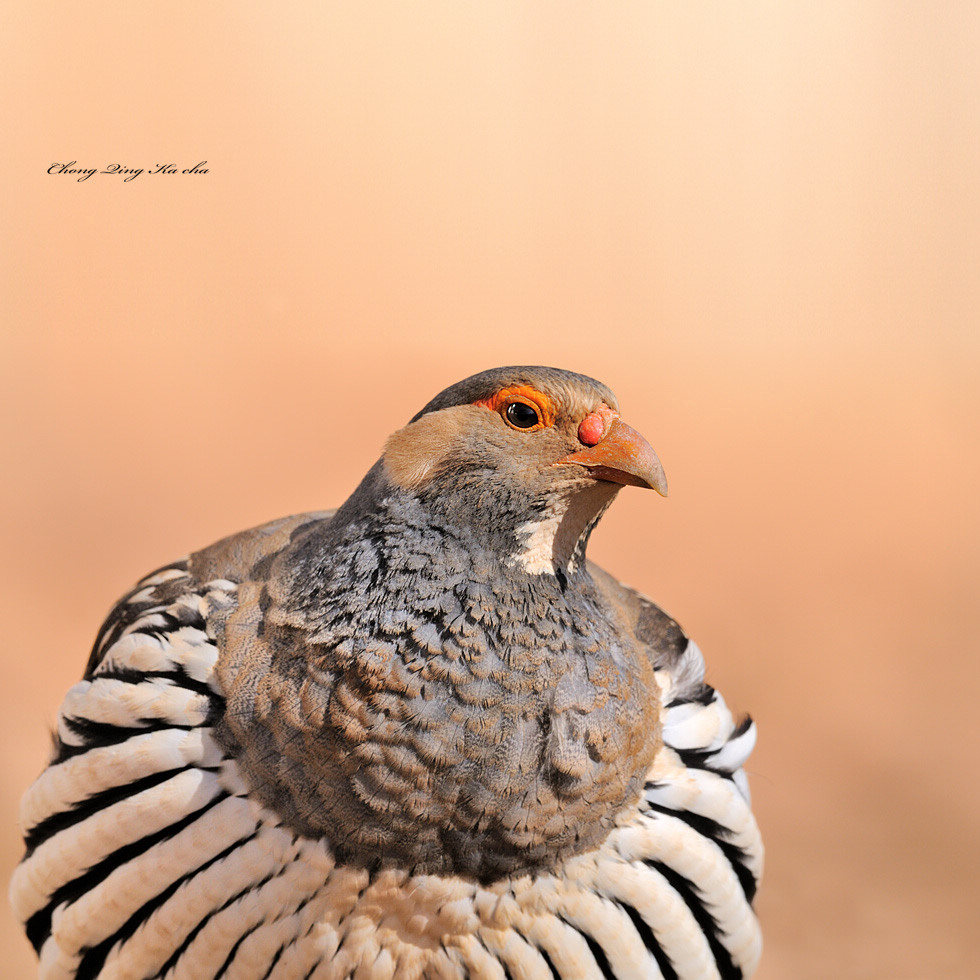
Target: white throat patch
550, 542
536, 554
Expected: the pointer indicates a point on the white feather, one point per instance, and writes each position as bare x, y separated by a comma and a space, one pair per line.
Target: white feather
70, 852
61, 787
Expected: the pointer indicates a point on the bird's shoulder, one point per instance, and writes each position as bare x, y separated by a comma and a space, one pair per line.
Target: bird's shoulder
663, 640
232, 560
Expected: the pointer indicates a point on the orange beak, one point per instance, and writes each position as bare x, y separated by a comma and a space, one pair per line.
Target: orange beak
622, 456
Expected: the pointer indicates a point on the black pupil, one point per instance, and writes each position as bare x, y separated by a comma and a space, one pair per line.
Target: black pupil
521, 415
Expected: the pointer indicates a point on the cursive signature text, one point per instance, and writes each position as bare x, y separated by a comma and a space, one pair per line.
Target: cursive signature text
127, 173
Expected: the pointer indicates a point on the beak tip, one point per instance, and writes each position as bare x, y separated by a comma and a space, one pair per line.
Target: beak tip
658, 482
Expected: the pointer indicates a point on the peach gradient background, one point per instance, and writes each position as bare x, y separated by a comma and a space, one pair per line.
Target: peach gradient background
757, 222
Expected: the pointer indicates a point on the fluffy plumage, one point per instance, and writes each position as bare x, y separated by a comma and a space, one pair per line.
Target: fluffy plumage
421, 736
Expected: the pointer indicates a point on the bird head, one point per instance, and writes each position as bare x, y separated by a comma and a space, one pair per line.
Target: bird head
530, 455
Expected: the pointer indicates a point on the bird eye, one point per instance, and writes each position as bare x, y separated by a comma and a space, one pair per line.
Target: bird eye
522, 416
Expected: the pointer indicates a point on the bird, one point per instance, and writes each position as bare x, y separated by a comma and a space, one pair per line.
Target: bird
420, 736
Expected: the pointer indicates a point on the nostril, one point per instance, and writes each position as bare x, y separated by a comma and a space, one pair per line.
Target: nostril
591, 429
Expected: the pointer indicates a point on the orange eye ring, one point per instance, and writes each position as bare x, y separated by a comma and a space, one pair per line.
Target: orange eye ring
506, 401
